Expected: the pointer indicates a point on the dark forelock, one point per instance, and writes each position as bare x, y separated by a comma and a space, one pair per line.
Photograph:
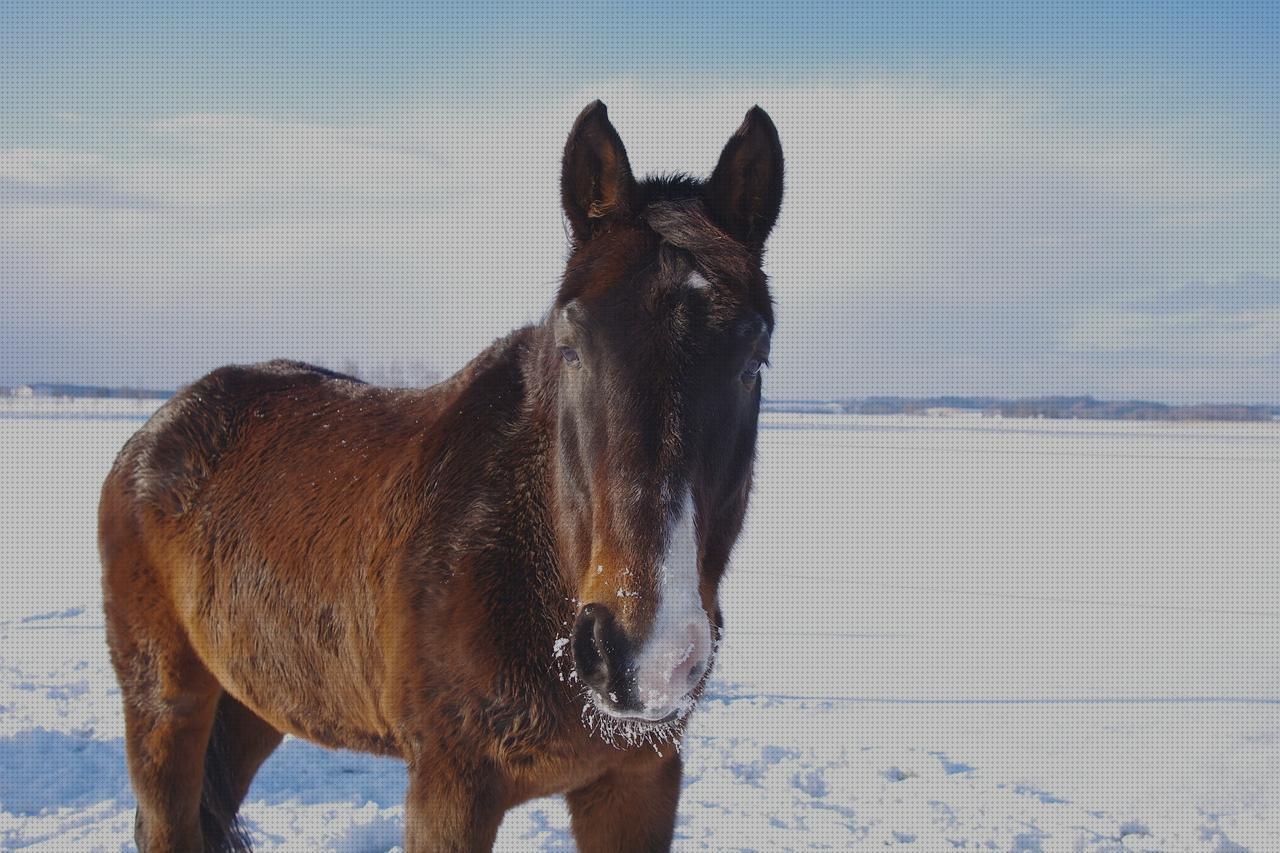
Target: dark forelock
672, 207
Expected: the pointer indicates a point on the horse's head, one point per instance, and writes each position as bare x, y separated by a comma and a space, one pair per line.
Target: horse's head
658, 336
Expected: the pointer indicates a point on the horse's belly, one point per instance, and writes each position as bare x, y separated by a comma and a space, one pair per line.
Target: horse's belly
300, 654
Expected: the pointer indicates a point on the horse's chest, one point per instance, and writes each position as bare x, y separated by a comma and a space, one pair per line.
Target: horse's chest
560, 766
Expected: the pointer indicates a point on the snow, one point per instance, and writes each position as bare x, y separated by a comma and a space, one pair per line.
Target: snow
27, 405
940, 634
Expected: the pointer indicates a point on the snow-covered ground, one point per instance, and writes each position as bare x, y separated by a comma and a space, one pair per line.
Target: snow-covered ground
970, 634
77, 407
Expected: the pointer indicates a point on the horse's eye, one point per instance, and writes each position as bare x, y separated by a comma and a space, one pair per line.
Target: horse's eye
752, 369
570, 356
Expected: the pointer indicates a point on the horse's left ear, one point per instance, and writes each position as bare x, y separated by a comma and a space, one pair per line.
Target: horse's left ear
745, 191
596, 185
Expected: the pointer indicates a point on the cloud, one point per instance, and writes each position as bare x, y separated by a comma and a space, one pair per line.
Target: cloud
90, 194
1226, 323
929, 234
1235, 297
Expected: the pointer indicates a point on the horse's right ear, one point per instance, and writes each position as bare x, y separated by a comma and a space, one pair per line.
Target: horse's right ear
596, 185
745, 191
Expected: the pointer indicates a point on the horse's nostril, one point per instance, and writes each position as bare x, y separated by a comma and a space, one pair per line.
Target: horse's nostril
588, 652
599, 649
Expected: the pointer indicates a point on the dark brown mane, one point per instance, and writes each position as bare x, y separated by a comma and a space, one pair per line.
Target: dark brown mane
510, 580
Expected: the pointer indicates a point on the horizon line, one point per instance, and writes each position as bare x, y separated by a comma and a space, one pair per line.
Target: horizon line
794, 401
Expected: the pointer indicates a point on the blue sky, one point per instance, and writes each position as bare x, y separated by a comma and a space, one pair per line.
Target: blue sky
982, 198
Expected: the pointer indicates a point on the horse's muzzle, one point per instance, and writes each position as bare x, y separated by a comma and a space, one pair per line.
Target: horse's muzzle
609, 663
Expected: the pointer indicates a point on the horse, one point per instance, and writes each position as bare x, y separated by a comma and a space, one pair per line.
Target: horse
508, 580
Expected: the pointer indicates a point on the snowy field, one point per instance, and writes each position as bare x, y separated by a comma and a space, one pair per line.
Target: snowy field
968, 634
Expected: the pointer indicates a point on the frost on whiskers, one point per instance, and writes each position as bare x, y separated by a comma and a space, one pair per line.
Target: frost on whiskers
619, 732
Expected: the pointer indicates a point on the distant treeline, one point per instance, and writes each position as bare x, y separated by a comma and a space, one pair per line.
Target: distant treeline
1032, 407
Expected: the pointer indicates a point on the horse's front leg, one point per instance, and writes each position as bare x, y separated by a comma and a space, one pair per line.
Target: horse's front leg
450, 808
630, 808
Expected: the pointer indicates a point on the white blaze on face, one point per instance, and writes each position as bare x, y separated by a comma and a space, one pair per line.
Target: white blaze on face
678, 649
697, 282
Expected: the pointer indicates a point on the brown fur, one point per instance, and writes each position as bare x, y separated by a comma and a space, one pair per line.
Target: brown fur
289, 550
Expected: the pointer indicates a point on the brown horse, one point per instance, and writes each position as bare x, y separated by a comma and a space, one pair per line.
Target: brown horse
509, 580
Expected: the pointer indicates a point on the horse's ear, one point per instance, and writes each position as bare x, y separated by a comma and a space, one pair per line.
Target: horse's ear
745, 191
596, 185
